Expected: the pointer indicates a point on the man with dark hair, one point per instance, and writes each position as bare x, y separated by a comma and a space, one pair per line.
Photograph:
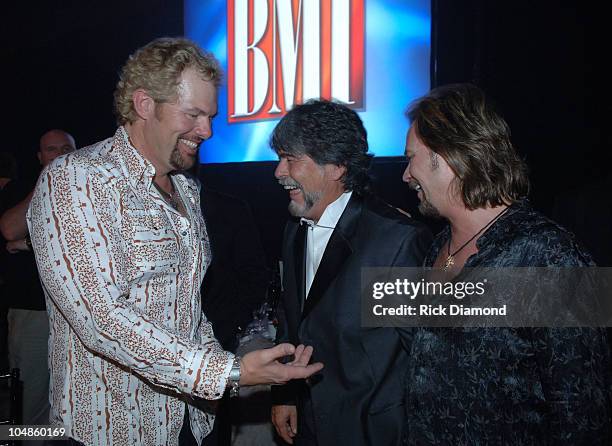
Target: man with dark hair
338, 229
514, 386
121, 248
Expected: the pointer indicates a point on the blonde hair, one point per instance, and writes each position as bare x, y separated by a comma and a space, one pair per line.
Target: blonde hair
157, 68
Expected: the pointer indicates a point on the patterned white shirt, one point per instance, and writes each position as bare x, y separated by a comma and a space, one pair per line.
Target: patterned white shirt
121, 271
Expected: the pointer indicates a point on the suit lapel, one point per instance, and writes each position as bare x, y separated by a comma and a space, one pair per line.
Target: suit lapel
299, 252
337, 251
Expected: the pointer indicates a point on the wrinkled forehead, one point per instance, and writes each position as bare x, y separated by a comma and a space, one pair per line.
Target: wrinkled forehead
193, 92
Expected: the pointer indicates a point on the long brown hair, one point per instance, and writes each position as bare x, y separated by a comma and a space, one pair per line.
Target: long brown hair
461, 125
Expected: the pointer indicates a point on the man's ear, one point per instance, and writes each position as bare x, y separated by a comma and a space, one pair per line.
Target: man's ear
144, 105
335, 172
39, 156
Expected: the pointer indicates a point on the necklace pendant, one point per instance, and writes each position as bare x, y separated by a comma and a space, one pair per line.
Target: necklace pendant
450, 261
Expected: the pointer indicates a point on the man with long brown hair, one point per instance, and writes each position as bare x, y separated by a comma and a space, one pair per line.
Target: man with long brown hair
495, 385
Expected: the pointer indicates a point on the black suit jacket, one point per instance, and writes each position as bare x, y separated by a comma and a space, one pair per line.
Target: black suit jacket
236, 281
357, 399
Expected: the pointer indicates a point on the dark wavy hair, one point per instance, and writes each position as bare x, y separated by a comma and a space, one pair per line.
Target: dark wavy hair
461, 125
329, 133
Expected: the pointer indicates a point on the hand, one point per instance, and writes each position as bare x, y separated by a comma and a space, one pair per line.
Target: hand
284, 419
262, 366
14, 246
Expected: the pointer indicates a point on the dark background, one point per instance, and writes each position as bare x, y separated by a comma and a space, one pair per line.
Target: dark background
543, 63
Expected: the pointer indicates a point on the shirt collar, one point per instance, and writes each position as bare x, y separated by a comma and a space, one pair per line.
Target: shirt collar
332, 213
498, 233
138, 168
497, 230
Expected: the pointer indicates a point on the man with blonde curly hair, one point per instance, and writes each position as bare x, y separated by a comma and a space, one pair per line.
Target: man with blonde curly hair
122, 247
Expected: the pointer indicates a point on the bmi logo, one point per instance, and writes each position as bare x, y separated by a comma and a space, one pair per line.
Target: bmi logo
284, 52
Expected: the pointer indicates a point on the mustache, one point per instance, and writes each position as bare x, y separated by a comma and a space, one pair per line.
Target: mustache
289, 182
192, 138
414, 185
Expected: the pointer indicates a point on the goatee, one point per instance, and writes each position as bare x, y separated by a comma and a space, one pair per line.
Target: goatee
182, 163
310, 198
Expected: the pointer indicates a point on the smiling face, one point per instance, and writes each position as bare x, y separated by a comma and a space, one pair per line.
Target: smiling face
311, 187
429, 175
176, 129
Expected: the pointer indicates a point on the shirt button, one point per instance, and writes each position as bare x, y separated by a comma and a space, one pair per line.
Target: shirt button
184, 233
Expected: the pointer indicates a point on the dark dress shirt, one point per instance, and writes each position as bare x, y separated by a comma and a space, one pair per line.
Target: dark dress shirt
511, 386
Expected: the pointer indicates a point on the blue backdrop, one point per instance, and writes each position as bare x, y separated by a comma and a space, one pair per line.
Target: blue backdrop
397, 54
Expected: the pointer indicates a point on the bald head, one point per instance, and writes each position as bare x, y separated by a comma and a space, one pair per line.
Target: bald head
53, 144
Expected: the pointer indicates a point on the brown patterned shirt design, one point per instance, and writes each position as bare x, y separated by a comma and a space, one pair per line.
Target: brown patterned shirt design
121, 270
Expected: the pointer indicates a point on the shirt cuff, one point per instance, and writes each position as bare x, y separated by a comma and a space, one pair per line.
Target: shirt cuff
208, 373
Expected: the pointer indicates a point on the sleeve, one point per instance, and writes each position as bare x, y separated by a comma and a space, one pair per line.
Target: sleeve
574, 363
411, 254
413, 248
73, 220
575, 369
285, 394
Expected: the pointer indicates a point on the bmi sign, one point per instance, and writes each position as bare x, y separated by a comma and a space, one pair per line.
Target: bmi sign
284, 52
